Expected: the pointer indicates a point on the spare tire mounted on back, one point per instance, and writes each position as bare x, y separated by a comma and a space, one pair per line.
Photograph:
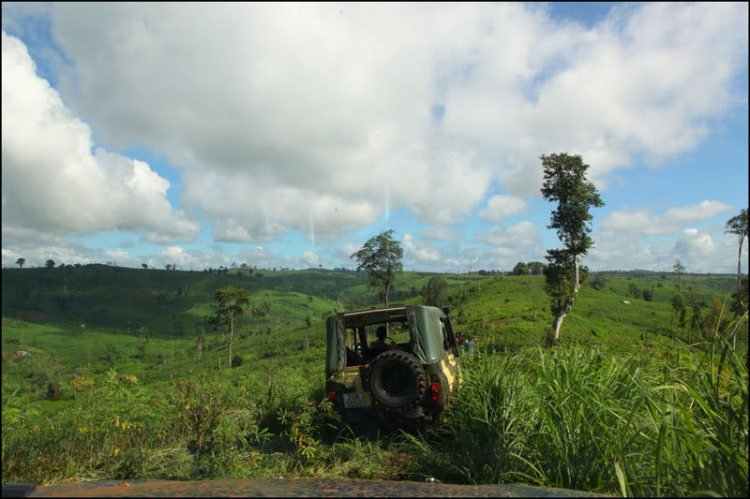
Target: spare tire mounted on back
396, 380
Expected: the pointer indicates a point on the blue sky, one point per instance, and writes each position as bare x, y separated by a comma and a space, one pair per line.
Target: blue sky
287, 135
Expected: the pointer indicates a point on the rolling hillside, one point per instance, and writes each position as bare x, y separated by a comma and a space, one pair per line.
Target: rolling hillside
72, 315
89, 402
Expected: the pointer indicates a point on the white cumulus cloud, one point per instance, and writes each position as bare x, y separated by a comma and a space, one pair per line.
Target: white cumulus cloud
419, 252
325, 110
523, 234
52, 181
643, 223
502, 206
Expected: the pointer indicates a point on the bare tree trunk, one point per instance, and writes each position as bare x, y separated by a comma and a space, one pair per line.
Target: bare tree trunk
557, 323
387, 287
231, 335
741, 308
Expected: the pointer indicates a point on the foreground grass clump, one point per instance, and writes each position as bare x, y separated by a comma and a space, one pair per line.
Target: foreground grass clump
646, 424
117, 428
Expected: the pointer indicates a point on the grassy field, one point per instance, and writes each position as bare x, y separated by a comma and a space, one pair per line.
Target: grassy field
115, 415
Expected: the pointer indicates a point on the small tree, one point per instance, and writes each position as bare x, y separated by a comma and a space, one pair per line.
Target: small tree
739, 225
536, 268
433, 293
380, 257
50, 264
144, 265
679, 307
231, 302
144, 336
597, 282
565, 182
679, 270
141, 346
111, 353
143, 333
648, 295
200, 333
20, 262
521, 268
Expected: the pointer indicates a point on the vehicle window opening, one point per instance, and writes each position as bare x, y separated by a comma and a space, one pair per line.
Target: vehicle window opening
362, 344
450, 338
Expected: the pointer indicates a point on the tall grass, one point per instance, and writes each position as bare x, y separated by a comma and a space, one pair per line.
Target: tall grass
116, 428
648, 424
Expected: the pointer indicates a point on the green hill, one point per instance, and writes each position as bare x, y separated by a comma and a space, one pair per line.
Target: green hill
72, 316
64, 406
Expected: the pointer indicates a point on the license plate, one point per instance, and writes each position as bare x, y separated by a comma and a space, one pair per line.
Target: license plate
353, 400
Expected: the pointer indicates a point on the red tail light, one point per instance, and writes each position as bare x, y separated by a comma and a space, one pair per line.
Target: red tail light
331, 396
435, 387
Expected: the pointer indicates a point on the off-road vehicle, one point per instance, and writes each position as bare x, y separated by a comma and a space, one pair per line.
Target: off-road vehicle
411, 379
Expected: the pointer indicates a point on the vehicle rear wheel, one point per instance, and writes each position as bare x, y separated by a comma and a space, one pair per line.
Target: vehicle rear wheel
396, 380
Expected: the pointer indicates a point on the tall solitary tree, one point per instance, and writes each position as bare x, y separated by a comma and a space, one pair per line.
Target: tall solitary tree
231, 302
565, 182
739, 225
381, 258
50, 264
20, 262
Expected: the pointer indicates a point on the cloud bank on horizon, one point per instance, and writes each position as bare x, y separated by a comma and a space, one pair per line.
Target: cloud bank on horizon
323, 119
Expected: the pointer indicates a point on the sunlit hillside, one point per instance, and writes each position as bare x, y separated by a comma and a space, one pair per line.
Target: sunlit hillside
106, 389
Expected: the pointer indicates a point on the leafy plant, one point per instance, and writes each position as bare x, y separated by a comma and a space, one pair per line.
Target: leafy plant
198, 411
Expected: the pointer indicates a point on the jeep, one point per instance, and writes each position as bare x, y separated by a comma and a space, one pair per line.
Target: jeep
408, 377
